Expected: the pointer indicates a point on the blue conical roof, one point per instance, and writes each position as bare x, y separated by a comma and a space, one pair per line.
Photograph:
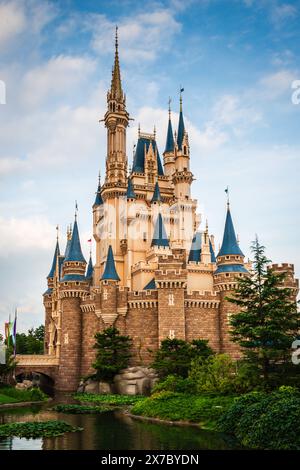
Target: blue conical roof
180, 133
75, 253
160, 236
170, 138
139, 156
130, 191
156, 194
98, 200
110, 272
90, 269
53, 267
229, 245
195, 251
212, 253
151, 285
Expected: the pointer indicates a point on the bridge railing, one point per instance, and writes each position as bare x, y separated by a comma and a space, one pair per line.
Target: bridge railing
36, 360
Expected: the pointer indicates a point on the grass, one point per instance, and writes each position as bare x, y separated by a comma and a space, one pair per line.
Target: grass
37, 429
82, 409
108, 399
13, 395
171, 406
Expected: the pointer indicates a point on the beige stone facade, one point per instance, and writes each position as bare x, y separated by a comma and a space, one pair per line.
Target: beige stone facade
163, 279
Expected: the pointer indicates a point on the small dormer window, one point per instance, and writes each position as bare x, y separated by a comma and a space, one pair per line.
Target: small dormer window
227, 257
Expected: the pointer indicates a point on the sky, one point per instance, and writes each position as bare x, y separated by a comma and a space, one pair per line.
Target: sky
237, 60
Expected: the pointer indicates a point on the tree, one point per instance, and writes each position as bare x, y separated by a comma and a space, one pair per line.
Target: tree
113, 353
214, 374
33, 342
268, 320
175, 355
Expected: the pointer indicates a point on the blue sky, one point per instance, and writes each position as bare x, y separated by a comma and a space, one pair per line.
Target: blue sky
237, 60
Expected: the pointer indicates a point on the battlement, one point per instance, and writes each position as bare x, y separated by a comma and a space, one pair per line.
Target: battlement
201, 294
282, 267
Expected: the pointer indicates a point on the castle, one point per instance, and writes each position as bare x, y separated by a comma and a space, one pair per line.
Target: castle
156, 274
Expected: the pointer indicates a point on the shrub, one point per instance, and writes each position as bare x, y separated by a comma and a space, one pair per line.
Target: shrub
175, 355
216, 374
109, 399
32, 394
174, 383
265, 421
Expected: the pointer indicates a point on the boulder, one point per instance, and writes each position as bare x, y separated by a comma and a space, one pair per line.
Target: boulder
136, 380
105, 388
92, 387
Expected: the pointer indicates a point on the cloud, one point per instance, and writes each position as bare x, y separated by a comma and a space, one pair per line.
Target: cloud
276, 84
56, 76
142, 37
13, 21
23, 234
281, 13
18, 17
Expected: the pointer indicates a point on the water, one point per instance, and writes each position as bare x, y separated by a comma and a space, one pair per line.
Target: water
110, 431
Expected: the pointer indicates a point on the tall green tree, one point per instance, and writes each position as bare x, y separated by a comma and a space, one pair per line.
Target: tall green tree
175, 355
113, 353
268, 320
32, 342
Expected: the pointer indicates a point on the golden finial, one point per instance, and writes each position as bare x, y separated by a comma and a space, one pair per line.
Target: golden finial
169, 106
227, 193
99, 178
206, 226
181, 89
139, 131
76, 210
57, 231
154, 131
116, 38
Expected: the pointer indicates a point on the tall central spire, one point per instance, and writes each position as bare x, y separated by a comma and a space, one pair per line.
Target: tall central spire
116, 86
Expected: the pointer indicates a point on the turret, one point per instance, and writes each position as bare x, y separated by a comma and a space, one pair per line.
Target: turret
230, 266
169, 153
109, 282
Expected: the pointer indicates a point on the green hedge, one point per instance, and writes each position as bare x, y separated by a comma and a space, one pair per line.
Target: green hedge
265, 421
13, 395
82, 409
109, 399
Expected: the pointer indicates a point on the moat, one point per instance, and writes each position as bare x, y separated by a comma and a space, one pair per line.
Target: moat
110, 431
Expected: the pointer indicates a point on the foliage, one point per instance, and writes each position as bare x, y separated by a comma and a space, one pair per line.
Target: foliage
268, 321
37, 429
82, 409
109, 399
183, 407
32, 394
214, 375
7, 369
175, 355
265, 421
113, 353
32, 342
174, 383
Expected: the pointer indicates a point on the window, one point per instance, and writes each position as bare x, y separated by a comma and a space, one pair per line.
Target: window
105, 295
171, 299
171, 334
144, 236
66, 338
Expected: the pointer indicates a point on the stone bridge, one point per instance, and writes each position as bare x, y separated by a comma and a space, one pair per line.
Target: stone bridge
39, 364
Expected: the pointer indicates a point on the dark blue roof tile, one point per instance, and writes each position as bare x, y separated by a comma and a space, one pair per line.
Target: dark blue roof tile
53, 267
231, 268
156, 194
110, 272
160, 236
139, 156
151, 285
75, 253
229, 245
195, 251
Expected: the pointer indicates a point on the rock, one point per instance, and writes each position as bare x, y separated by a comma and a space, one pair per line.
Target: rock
105, 388
92, 387
136, 380
80, 389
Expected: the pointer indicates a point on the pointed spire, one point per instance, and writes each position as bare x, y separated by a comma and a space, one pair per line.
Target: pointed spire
229, 245
110, 272
69, 237
75, 253
160, 236
151, 285
196, 248
56, 255
170, 138
212, 253
156, 194
130, 191
116, 87
90, 269
98, 199
181, 130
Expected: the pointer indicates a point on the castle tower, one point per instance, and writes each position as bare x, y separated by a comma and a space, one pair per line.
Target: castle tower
109, 284
230, 265
116, 121
73, 287
98, 227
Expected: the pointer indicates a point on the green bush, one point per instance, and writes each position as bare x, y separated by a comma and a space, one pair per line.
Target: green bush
174, 383
216, 374
82, 409
182, 407
265, 421
32, 394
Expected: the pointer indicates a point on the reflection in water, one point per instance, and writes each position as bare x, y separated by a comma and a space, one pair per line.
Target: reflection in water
111, 431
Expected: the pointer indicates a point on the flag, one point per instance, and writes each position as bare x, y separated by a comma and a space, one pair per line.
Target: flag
90, 240
181, 90
226, 190
14, 333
